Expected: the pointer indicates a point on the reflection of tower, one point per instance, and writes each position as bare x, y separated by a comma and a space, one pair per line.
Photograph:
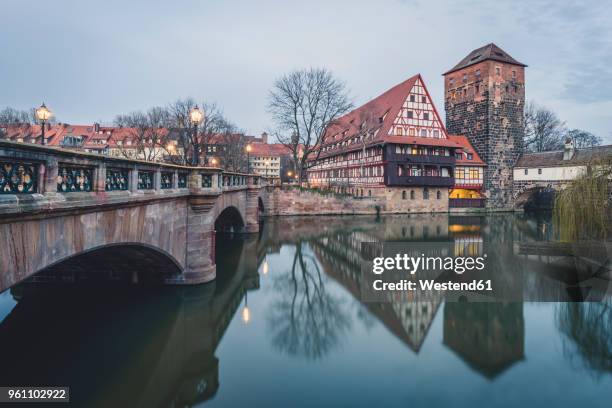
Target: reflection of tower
489, 337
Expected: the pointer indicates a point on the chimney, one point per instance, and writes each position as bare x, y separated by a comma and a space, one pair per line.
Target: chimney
264, 138
568, 150
96, 127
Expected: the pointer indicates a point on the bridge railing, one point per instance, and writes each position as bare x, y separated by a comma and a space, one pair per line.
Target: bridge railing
41, 171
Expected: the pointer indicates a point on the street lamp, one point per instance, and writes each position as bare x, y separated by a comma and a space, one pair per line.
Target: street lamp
249, 148
43, 114
213, 161
196, 116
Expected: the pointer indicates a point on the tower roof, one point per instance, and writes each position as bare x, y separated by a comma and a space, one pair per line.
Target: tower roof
488, 52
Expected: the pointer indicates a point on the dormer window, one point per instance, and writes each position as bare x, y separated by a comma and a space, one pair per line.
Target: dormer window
470, 156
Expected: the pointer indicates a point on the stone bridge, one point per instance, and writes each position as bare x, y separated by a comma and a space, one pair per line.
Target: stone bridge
58, 205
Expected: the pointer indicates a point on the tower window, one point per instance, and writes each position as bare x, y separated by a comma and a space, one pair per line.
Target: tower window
497, 71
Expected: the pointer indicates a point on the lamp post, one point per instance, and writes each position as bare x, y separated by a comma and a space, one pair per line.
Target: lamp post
43, 114
249, 148
196, 116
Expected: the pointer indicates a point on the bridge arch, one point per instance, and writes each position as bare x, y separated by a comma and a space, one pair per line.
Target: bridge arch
229, 220
127, 261
535, 197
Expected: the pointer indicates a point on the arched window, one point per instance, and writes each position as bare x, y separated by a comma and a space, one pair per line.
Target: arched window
412, 194
403, 195
426, 194
438, 195
369, 193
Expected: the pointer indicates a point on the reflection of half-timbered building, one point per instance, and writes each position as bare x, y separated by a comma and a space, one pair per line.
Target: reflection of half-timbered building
396, 147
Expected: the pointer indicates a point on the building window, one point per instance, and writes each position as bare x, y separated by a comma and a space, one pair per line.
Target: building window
513, 74
526, 171
423, 132
464, 78
436, 133
410, 114
423, 99
539, 171
425, 194
470, 156
369, 193
399, 131
411, 98
404, 195
426, 116
438, 195
412, 194
497, 71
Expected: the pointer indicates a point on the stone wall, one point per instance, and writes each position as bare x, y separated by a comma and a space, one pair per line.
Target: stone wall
379, 200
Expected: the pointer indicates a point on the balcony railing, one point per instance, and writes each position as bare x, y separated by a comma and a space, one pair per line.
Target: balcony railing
434, 181
466, 202
422, 159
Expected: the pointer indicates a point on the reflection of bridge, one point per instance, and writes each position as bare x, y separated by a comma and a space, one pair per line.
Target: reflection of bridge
58, 205
154, 349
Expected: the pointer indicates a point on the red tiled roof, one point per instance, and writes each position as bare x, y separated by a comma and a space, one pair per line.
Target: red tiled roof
466, 146
272, 149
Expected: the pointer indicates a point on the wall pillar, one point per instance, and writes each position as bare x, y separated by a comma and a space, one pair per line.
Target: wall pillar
252, 206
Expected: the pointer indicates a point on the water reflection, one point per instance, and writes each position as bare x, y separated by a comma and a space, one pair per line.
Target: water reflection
301, 282
588, 335
306, 320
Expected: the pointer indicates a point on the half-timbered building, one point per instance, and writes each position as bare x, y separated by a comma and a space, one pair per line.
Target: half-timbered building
396, 147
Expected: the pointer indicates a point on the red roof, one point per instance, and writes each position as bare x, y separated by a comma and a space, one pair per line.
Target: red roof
273, 149
378, 116
466, 148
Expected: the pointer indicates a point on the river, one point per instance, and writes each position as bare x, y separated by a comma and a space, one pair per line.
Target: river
285, 325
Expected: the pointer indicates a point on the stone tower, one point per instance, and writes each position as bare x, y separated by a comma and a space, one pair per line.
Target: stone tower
484, 100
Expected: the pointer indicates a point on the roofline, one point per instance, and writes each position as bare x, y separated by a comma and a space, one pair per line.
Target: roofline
518, 64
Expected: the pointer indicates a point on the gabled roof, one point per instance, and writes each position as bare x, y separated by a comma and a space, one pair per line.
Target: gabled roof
378, 116
488, 52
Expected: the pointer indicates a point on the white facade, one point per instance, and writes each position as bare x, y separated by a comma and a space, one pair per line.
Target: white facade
557, 173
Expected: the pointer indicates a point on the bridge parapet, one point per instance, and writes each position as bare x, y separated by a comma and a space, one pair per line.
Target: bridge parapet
55, 203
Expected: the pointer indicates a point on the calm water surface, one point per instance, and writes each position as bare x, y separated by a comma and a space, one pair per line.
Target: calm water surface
284, 325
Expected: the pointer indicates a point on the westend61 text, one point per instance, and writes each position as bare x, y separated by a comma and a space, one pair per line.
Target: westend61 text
406, 285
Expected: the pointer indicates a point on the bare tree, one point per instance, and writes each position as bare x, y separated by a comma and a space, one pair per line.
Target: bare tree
303, 103
233, 150
195, 147
544, 131
147, 133
582, 138
10, 115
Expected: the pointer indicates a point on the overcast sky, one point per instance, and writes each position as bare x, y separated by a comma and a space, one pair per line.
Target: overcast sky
90, 60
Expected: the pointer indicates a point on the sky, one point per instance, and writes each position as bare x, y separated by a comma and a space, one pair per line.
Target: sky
91, 60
